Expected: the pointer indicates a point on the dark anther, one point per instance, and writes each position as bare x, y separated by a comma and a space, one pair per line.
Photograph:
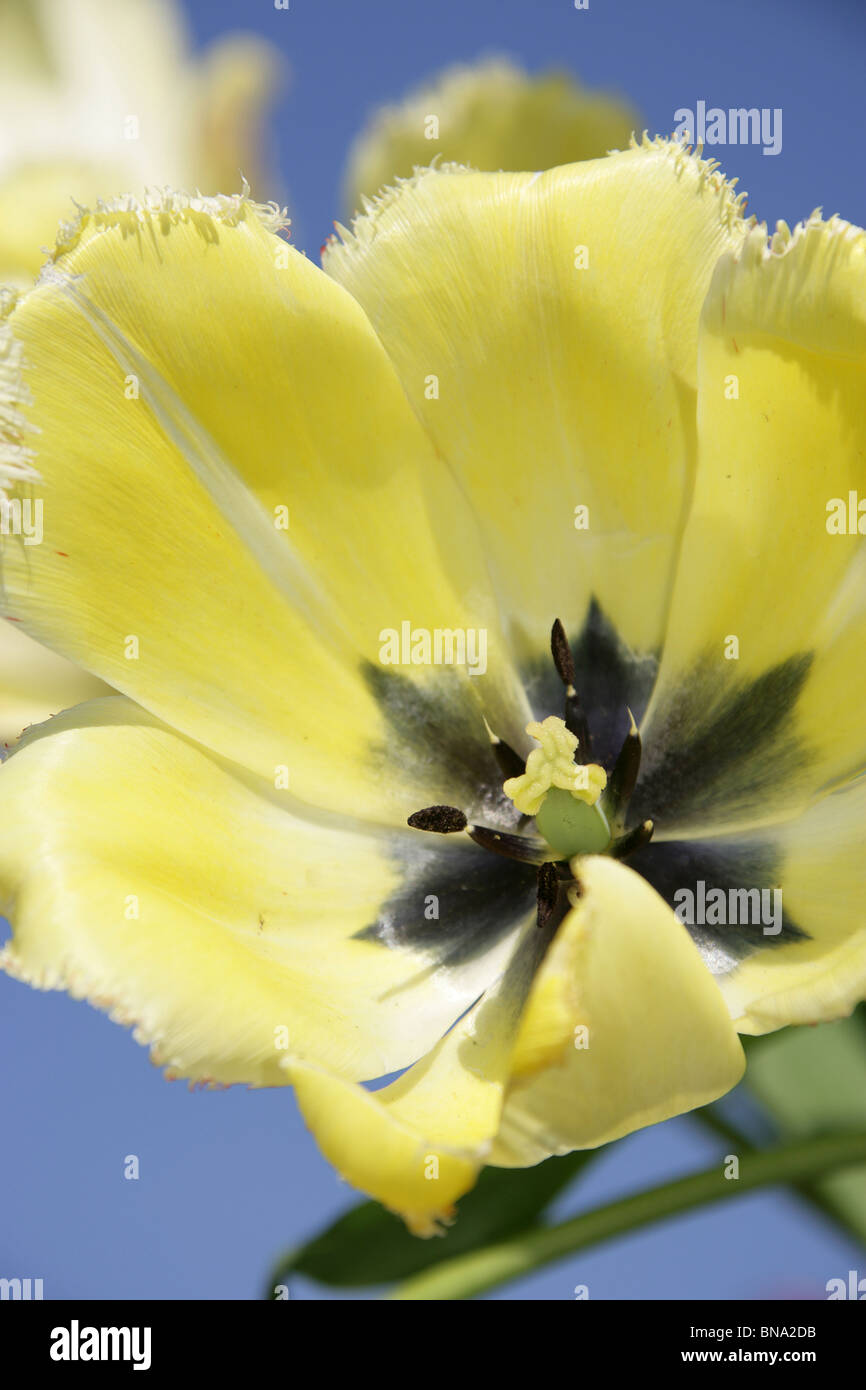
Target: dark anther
561, 653
575, 719
622, 780
634, 839
445, 820
448, 820
510, 763
548, 892
512, 846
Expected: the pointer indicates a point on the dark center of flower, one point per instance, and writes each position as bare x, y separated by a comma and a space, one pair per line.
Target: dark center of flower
569, 805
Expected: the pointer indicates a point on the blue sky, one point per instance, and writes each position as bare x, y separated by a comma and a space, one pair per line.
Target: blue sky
804, 57
227, 1179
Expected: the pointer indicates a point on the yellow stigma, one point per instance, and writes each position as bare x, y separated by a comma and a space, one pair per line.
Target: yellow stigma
553, 765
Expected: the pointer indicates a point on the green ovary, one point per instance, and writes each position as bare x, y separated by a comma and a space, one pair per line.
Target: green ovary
570, 826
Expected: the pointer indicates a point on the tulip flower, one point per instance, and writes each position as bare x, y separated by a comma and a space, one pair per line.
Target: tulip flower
593, 413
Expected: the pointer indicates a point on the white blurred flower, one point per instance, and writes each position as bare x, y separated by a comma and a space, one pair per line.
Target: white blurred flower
104, 97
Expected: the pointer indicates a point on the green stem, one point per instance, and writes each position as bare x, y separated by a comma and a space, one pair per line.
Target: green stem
481, 1270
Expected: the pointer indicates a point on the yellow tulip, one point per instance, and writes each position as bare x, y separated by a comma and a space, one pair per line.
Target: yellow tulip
595, 400
490, 115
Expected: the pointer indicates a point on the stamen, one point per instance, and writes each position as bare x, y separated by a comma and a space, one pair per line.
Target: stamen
450, 820
443, 820
576, 722
622, 780
575, 719
510, 763
561, 653
520, 847
634, 839
548, 892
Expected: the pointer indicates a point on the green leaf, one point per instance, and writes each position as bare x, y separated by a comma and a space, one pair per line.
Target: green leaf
368, 1245
813, 1081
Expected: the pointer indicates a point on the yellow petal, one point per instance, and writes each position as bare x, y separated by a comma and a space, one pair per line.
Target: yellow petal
544, 327
239, 501
110, 830
822, 877
491, 115
417, 1145
415, 1176
759, 702
625, 1026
